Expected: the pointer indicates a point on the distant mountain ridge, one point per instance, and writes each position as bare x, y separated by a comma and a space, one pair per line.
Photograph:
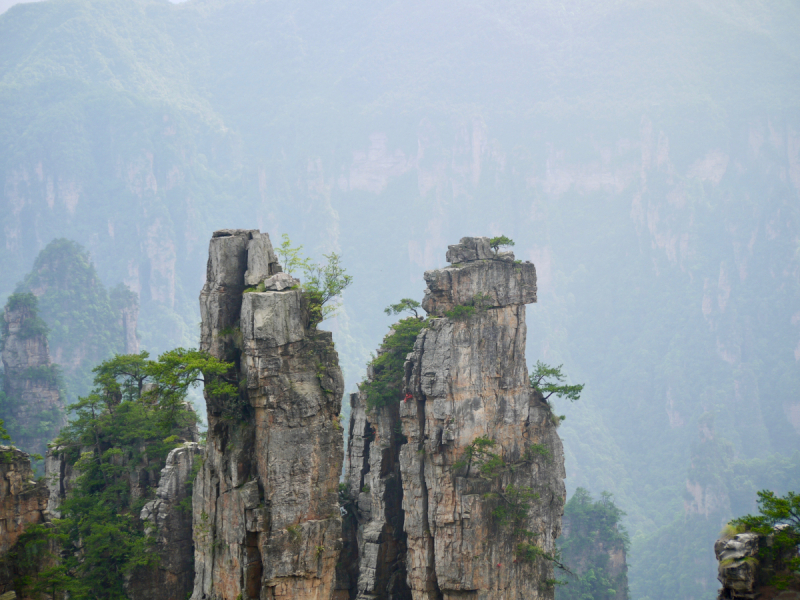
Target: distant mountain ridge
645, 155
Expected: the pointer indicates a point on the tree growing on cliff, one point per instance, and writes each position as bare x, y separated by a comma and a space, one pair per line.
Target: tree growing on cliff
500, 241
385, 385
549, 381
135, 414
323, 282
779, 518
405, 305
593, 535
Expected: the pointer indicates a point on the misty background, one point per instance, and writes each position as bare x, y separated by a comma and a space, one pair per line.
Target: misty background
644, 154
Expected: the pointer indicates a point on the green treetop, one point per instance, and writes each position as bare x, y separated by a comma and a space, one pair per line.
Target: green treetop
323, 281
500, 241
405, 305
548, 381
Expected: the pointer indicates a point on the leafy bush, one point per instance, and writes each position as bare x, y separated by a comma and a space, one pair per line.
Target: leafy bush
779, 517
323, 282
460, 312
500, 241
121, 426
386, 384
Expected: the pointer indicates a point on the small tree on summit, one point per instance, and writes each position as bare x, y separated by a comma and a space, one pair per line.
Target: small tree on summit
500, 241
405, 305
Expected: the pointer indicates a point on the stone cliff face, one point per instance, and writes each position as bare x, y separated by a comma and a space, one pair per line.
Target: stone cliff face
426, 512
169, 517
35, 409
23, 502
746, 574
265, 507
374, 520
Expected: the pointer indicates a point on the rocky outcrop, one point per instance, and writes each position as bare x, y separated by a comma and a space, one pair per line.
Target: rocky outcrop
169, 519
468, 379
374, 519
265, 507
125, 305
746, 573
34, 410
429, 522
23, 502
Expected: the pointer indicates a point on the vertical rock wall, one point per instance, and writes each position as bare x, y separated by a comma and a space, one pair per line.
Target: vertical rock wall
23, 502
375, 515
169, 518
468, 379
265, 506
35, 407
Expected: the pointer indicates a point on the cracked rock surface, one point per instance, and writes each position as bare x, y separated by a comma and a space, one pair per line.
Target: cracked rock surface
265, 506
465, 379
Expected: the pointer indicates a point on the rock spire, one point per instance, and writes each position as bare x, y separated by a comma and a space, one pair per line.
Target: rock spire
265, 509
458, 488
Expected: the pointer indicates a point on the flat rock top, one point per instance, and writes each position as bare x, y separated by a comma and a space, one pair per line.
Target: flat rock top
479, 277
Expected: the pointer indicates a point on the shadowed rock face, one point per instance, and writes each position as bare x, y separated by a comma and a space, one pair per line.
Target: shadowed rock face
32, 391
374, 521
169, 519
23, 502
465, 379
265, 508
746, 574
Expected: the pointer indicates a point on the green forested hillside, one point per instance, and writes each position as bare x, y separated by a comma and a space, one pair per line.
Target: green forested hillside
644, 154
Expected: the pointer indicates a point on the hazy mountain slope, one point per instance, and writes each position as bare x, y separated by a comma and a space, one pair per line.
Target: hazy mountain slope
646, 155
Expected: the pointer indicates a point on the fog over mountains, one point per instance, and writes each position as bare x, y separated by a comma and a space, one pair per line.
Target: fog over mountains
644, 154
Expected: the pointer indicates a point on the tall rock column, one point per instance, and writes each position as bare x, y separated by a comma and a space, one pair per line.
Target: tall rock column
472, 532
35, 410
265, 502
23, 502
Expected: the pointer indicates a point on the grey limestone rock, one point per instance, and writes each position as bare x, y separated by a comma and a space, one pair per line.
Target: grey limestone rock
265, 503
280, 282
170, 521
375, 519
469, 249
484, 284
468, 379
261, 260
23, 353
23, 502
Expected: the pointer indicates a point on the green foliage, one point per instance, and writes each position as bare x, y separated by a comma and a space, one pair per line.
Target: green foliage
133, 417
295, 532
778, 517
386, 384
500, 241
291, 259
548, 380
594, 531
460, 312
32, 325
4, 436
405, 305
83, 318
322, 281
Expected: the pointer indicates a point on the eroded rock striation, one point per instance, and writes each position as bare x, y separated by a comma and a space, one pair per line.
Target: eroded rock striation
169, 519
34, 410
746, 573
265, 505
23, 502
474, 525
374, 567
